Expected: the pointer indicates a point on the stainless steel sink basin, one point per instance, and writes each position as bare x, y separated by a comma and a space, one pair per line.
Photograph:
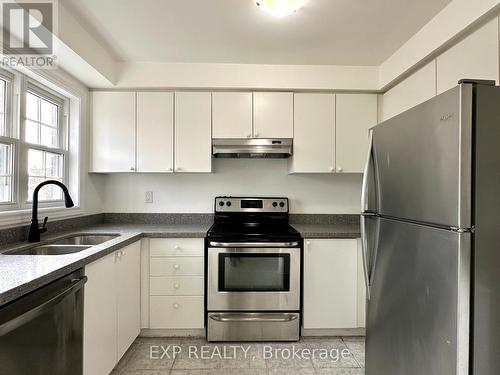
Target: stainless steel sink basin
49, 250
86, 239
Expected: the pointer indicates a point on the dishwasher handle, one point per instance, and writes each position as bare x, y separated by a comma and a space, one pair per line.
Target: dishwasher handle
18, 321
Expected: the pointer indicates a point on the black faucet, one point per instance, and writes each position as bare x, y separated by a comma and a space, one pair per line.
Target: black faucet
35, 230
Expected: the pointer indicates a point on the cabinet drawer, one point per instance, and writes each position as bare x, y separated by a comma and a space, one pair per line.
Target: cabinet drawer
171, 247
176, 286
192, 266
176, 312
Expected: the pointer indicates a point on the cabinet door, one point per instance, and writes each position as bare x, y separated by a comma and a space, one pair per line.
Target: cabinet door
155, 132
330, 284
474, 57
193, 140
100, 329
273, 114
356, 113
314, 134
113, 132
128, 296
416, 89
232, 115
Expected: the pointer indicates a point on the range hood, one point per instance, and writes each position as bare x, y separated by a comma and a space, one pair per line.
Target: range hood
252, 148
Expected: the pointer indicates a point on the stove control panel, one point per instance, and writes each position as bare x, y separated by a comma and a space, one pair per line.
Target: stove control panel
253, 205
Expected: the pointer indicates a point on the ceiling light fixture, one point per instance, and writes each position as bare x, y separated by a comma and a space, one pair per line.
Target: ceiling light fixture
280, 8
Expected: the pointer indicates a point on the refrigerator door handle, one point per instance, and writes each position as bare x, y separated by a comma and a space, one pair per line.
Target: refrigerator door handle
364, 251
364, 186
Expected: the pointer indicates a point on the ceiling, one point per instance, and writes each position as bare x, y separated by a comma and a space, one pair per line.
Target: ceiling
323, 32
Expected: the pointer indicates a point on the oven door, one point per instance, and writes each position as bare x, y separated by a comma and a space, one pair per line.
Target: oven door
253, 279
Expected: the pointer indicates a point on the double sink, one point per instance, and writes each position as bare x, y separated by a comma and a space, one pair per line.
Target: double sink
68, 245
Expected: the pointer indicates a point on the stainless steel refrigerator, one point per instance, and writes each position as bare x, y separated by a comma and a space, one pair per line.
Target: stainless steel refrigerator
431, 237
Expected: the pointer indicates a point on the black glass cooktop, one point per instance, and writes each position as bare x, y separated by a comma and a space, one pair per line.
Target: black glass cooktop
249, 232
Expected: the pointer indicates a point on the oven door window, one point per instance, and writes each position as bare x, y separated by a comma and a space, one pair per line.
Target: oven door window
254, 272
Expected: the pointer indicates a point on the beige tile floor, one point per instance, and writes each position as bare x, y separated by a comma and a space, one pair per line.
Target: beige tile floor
154, 356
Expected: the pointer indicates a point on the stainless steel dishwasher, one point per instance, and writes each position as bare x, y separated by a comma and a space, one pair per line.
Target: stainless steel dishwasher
42, 333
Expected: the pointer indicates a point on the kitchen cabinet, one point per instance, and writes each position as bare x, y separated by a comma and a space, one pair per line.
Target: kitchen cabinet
416, 89
99, 317
113, 132
128, 297
193, 136
314, 134
355, 114
273, 114
176, 283
155, 132
330, 284
111, 309
232, 115
475, 57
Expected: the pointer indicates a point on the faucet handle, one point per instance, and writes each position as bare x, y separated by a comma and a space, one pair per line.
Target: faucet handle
43, 229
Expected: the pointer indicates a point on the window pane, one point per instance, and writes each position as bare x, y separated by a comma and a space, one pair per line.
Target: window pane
48, 136
35, 163
44, 166
48, 113
32, 103
5, 189
5, 173
31, 132
3, 86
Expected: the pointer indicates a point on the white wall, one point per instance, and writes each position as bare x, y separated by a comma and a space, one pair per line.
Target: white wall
194, 193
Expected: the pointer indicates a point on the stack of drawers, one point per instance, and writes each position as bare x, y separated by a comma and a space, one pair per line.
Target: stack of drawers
176, 283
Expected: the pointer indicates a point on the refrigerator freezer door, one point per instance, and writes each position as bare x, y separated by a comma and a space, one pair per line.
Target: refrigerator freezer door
418, 314
423, 161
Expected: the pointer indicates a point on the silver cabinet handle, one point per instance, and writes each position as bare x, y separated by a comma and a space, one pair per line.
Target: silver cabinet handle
256, 318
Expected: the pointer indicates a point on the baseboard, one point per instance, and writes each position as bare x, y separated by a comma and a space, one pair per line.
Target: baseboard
147, 332
333, 332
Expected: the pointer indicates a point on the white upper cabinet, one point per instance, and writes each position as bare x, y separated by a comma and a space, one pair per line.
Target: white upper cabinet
273, 114
356, 113
113, 132
314, 134
193, 138
474, 57
416, 89
232, 115
155, 132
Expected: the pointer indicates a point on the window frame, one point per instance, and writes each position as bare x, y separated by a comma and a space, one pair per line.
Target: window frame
18, 85
30, 85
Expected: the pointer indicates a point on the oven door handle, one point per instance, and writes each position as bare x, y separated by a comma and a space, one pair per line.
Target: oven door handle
255, 318
254, 244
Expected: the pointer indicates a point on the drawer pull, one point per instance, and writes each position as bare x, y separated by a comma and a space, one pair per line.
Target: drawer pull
176, 266
176, 286
176, 306
176, 247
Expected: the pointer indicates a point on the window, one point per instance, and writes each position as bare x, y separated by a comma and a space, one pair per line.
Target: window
33, 142
43, 132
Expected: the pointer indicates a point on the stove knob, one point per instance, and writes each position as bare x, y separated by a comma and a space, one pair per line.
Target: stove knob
221, 204
282, 204
228, 204
275, 204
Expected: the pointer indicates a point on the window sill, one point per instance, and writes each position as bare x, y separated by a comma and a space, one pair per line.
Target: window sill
10, 219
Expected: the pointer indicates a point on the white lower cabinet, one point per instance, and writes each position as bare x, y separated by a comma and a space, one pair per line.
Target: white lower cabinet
331, 284
111, 309
176, 283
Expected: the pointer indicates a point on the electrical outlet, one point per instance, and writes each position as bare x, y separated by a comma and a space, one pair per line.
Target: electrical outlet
148, 197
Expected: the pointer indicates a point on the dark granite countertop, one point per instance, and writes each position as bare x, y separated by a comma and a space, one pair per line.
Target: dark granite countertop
21, 274
337, 230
